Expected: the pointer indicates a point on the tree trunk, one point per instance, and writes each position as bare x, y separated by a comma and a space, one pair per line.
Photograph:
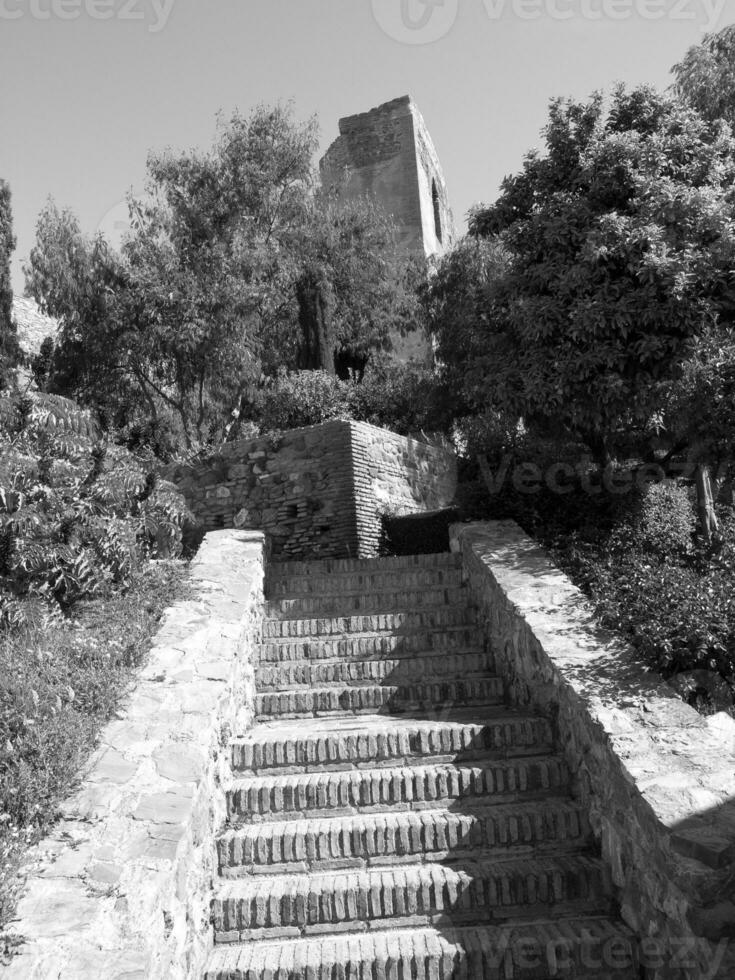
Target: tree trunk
315, 319
600, 449
708, 523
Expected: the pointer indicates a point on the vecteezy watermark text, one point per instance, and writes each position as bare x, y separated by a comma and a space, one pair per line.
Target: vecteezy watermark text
706, 12
415, 21
155, 13
616, 952
426, 21
565, 478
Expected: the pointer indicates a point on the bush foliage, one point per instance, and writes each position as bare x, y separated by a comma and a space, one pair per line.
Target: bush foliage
78, 599
651, 579
300, 398
77, 514
59, 684
401, 397
639, 559
10, 352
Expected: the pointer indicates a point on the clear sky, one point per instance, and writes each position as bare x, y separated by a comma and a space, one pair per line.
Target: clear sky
87, 87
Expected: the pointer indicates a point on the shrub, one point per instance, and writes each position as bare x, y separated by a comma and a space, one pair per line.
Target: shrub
302, 398
77, 515
400, 397
404, 398
637, 558
60, 681
648, 581
663, 524
677, 618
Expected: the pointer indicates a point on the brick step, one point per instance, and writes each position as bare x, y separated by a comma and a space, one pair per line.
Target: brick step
288, 905
277, 571
408, 787
371, 839
443, 666
588, 948
334, 603
437, 696
351, 583
450, 639
375, 739
390, 622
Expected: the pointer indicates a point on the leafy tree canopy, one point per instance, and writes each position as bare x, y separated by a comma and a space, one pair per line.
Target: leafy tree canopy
705, 77
235, 265
75, 279
457, 304
9, 348
622, 245
353, 286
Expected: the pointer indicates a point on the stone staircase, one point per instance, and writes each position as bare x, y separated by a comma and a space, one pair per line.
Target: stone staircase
390, 817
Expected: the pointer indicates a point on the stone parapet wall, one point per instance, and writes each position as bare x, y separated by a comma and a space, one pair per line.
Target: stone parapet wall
658, 778
121, 889
318, 492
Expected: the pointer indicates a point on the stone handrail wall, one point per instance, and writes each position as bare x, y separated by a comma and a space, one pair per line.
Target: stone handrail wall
122, 886
658, 778
318, 492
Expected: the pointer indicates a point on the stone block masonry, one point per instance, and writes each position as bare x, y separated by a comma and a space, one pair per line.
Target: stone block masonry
657, 778
296, 487
121, 889
319, 491
387, 155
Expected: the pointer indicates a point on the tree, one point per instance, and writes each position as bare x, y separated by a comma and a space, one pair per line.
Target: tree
621, 246
234, 266
705, 77
353, 286
76, 280
174, 322
456, 303
10, 352
699, 411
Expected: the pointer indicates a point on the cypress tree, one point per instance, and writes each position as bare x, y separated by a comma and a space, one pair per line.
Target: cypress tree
10, 353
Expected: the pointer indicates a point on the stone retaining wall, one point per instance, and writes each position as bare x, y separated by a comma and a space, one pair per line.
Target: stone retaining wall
658, 778
318, 492
296, 487
121, 889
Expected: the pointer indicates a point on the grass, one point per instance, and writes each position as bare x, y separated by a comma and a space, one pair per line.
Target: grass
60, 682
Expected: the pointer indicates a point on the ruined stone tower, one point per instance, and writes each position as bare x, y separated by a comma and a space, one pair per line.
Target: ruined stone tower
387, 154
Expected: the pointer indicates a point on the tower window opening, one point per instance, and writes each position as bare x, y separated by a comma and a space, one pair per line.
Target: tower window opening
437, 211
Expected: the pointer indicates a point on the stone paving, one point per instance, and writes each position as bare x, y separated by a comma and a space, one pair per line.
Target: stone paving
390, 816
